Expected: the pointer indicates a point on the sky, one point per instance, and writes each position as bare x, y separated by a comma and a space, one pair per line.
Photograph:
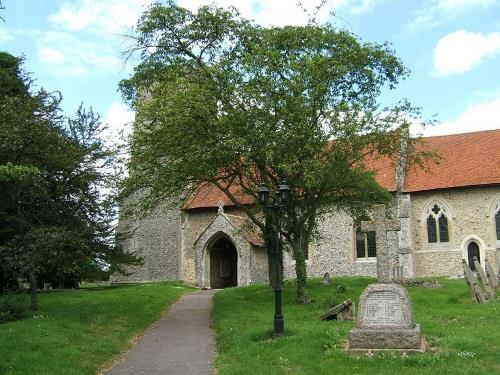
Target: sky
452, 48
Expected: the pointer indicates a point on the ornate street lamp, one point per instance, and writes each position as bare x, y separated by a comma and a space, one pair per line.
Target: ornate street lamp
276, 206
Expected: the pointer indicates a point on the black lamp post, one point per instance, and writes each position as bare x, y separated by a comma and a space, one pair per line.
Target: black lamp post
277, 206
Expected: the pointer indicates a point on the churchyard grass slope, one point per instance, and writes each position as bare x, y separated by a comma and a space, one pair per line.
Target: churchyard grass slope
463, 336
79, 332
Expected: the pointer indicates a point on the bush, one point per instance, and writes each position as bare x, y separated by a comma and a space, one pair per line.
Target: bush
13, 307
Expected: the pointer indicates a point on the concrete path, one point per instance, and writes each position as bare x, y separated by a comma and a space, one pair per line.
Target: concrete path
181, 342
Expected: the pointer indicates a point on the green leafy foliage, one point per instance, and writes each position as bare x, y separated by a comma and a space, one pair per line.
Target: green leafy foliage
223, 101
13, 307
57, 184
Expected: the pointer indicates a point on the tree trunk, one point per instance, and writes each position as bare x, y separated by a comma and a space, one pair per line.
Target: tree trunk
34, 297
301, 273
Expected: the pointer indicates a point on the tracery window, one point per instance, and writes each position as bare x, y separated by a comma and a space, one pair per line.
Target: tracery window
437, 225
366, 244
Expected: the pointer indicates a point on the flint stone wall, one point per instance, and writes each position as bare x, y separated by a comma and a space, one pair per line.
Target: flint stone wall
157, 239
470, 210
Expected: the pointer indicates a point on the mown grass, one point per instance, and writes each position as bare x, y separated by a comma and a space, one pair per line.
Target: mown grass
78, 332
464, 337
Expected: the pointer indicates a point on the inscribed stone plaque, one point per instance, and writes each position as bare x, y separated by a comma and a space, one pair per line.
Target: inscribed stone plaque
385, 306
384, 309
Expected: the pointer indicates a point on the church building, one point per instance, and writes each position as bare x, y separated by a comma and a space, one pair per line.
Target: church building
451, 211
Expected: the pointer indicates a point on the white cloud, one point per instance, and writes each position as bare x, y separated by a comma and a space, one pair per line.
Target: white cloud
437, 12
49, 55
460, 51
480, 116
99, 16
119, 119
285, 12
6, 35
70, 55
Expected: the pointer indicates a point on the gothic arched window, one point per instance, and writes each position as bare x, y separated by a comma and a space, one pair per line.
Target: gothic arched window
437, 225
366, 246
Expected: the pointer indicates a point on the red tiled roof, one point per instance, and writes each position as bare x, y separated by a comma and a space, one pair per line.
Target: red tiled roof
248, 229
469, 159
208, 195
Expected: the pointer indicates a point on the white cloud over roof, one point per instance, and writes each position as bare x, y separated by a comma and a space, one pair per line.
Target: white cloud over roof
479, 116
460, 51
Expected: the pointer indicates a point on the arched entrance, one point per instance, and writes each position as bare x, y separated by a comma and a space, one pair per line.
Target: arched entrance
223, 264
473, 251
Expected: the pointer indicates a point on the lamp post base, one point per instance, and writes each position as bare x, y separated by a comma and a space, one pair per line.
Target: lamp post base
279, 322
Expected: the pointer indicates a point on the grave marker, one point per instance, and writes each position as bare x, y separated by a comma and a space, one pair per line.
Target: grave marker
385, 319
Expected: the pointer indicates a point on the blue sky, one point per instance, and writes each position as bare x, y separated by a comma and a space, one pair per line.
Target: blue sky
452, 48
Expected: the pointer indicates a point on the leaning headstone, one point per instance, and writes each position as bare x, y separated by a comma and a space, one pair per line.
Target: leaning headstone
490, 274
476, 292
488, 290
385, 320
327, 280
343, 311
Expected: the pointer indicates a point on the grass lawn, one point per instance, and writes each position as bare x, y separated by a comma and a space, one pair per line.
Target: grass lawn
77, 332
464, 337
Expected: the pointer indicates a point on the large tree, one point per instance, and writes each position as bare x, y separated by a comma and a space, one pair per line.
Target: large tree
225, 102
56, 181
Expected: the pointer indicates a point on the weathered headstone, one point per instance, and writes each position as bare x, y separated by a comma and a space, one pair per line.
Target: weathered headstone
343, 311
385, 321
492, 278
327, 280
475, 291
488, 290
385, 318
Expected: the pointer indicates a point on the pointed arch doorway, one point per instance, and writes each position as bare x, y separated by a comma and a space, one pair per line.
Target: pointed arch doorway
223, 264
473, 251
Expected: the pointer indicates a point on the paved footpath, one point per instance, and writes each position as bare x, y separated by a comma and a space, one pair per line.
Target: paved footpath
181, 342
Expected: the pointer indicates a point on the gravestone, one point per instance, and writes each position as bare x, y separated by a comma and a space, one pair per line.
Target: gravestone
492, 278
381, 225
343, 311
488, 290
476, 292
327, 280
385, 319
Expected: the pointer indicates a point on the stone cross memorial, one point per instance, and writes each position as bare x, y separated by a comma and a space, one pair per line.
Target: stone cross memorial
381, 225
385, 320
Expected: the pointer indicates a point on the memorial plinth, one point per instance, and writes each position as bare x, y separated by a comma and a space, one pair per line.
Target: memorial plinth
385, 321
